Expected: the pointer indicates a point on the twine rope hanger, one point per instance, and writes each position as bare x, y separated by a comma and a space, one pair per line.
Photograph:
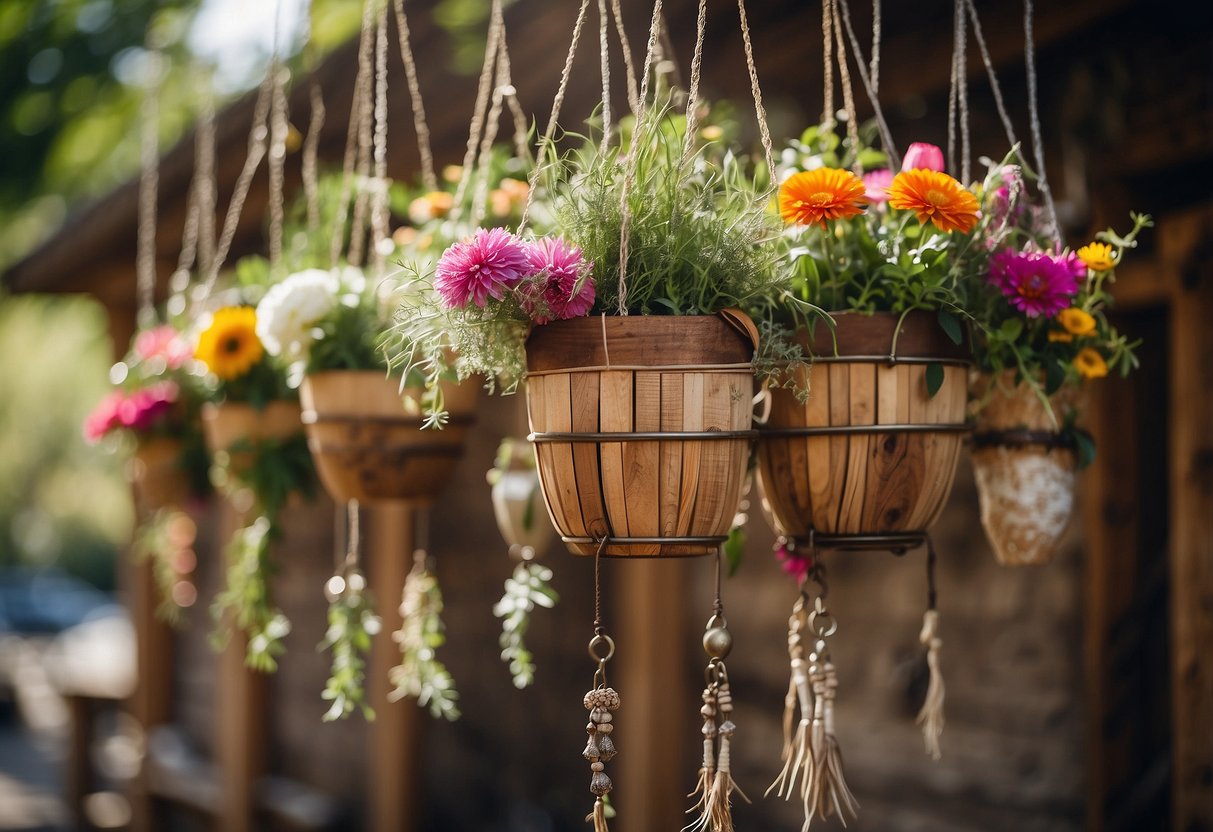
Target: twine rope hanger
958, 96
198, 232
871, 81
279, 127
149, 184
1034, 118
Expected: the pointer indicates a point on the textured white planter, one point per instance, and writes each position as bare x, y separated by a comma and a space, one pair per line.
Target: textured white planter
1026, 490
519, 509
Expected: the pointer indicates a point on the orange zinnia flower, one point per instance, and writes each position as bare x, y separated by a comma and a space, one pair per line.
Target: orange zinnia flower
812, 197
1090, 364
936, 197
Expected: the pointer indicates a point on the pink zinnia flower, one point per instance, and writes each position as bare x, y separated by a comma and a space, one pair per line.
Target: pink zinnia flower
877, 184
163, 342
141, 409
481, 267
561, 287
923, 156
1036, 283
104, 417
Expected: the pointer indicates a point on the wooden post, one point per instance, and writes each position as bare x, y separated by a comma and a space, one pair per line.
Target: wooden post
1192, 541
241, 725
395, 736
79, 778
151, 704
648, 622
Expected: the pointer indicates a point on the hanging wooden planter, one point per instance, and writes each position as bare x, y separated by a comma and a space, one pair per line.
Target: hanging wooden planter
867, 461
232, 423
516, 495
367, 440
157, 475
642, 429
1024, 469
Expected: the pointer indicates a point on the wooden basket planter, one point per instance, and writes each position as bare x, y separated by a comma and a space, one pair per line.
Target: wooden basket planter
1024, 470
367, 440
228, 424
867, 462
157, 475
642, 429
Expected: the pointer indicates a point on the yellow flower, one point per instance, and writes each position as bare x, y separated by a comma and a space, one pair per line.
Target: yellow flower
1059, 337
1090, 363
229, 347
1099, 257
936, 197
812, 197
1076, 321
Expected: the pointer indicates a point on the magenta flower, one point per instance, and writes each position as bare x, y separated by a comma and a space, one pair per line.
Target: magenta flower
877, 184
561, 287
143, 407
1036, 283
923, 156
481, 267
104, 417
794, 564
163, 342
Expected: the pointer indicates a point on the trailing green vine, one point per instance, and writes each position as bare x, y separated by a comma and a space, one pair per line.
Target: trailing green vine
352, 625
529, 587
420, 674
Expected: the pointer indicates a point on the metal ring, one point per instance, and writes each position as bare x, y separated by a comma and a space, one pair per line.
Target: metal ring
717, 620
641, 436
627, 541
844, 430
826, 630
598, 640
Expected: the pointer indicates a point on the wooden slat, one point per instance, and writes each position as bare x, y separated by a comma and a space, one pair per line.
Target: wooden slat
862, 386
889, 470
615, 414
642, 474
741, 388
692, 420
537, 415
558, 413
670, 454
922, 411
584, 387
840, 414
817, 448
713, 460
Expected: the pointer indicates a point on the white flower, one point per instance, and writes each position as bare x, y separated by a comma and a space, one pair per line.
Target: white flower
289, 311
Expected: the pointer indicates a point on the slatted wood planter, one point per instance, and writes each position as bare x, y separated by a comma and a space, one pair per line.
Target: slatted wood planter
232, 424
157, 475
642, 429
1024, 469
868, 460
367, 440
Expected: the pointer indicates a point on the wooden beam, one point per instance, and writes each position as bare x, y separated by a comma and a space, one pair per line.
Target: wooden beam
394, 750
1192, 543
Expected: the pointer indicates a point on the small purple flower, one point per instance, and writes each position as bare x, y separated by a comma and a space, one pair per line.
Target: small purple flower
480, 267
794, 564
561, 287
1036, 283
877, 184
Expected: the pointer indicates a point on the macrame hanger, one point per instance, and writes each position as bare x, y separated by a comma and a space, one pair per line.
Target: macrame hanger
626, 46
958, 96
930, 717
501, 80
429, 178
844, 73
545, 143
198, 235
257, 146
483, 91
379, 187
1034, 117
279, 126
871, 78
995, 87
359, 113
149, 184
827, 64
368, 66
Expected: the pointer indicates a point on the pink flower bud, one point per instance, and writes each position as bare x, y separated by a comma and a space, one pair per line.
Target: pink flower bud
923, 156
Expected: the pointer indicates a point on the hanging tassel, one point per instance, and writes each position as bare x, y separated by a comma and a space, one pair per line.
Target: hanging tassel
708, 770
931, 716
831, 795
599, 816
719, 810
797, 757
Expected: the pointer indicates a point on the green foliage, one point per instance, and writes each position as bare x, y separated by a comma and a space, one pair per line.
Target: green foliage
529, 587
700, 238
62, 501
352, 624
162, 541
420, 674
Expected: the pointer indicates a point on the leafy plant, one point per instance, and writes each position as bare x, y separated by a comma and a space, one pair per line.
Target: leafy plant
529, 587
420, 674
352, 624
